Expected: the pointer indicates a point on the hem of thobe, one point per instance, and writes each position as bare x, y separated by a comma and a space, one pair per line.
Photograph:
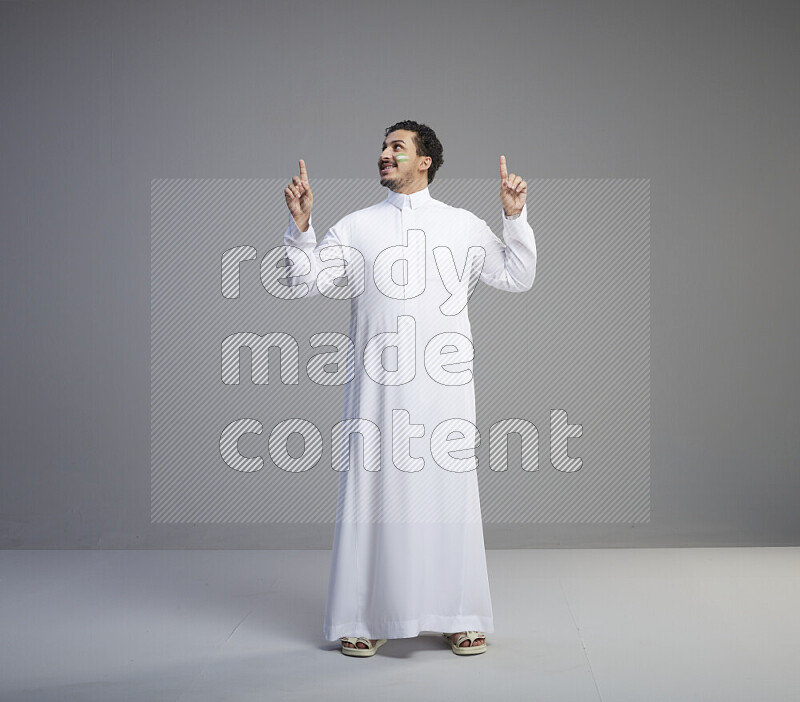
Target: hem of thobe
409, 628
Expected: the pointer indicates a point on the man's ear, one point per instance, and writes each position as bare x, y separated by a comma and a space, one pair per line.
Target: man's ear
426, 162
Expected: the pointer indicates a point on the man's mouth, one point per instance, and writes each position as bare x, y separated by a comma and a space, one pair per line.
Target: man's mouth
386, 167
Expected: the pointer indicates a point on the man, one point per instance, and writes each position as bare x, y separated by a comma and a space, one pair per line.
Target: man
408, 551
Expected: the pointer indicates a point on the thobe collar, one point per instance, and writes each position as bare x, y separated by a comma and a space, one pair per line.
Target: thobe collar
414, 200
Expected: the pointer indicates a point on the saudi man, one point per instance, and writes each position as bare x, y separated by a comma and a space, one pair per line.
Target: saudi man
408, 551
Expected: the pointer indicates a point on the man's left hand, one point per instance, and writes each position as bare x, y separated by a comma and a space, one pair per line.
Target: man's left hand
513, 190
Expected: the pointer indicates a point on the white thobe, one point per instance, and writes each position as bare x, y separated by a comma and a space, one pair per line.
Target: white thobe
408, 551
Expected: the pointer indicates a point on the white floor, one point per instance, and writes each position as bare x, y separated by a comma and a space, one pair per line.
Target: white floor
603, 624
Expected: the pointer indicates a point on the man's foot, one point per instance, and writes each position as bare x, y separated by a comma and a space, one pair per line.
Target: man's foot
465, 643
359, 644
361, 649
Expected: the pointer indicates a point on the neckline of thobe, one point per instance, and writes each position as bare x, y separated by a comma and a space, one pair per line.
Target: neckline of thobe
414, 200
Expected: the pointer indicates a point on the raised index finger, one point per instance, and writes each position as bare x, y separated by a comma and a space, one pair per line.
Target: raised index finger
503, 169
303, 171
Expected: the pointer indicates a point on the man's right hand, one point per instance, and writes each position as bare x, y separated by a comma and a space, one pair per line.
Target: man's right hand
299, 198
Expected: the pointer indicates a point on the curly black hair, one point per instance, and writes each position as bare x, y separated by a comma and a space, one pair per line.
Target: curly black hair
425, 141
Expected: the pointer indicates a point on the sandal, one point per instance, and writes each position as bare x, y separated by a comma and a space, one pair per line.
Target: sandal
461, 638
360, 652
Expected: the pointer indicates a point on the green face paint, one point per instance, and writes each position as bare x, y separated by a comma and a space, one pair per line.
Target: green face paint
401, 157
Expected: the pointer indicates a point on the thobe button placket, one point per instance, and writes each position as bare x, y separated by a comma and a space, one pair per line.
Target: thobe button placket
406, 223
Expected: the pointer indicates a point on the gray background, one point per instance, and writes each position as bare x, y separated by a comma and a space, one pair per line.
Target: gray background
100, 98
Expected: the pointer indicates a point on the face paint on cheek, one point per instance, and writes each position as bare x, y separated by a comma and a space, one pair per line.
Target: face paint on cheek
401, 157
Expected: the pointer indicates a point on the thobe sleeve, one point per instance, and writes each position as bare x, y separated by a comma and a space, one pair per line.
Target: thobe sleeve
307, 242
509, 265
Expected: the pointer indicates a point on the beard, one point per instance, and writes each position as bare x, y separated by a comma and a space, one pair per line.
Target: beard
392, 182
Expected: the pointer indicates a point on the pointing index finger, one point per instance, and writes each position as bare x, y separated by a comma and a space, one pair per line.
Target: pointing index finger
303, 171
503, 169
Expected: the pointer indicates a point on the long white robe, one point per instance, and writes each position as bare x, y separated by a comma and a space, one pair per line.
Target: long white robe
408, 550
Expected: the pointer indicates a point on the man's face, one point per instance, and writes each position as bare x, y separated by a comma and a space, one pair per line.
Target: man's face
399, 164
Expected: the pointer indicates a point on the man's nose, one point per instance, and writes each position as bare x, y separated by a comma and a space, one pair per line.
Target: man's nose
386, 154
